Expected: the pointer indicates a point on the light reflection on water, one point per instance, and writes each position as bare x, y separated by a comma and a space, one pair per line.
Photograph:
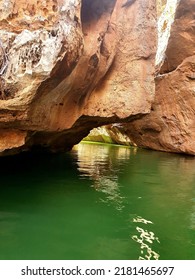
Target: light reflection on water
163, 183
98, 202
145, 238
103, 169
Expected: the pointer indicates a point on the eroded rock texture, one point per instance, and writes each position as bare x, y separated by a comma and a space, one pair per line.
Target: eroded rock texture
182, 37
67, 66
171, 124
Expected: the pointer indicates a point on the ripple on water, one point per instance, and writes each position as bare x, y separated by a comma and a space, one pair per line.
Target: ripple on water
146, 239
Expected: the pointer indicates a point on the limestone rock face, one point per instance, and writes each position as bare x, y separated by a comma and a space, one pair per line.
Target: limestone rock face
67, 66
182, 37
171, 124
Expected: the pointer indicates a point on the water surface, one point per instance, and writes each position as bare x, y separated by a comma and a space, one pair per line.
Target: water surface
97, 202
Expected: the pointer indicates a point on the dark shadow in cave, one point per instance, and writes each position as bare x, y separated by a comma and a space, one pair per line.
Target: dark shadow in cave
93, 10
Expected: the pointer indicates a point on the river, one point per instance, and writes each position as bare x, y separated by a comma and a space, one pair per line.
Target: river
98, 202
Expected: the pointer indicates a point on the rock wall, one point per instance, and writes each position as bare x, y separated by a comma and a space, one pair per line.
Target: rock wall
67, 66
171, 124
181, 42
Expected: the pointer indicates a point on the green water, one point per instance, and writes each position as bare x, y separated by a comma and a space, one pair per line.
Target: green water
97, 202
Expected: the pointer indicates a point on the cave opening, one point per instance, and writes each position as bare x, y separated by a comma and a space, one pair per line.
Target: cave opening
114, 133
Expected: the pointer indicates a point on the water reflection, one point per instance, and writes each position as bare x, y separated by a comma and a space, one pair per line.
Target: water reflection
141, 183
96, 159
98, 202
146, 239
192, 217
103, 167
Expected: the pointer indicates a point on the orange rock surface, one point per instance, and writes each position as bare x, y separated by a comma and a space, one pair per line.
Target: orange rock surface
67, 66
171, 124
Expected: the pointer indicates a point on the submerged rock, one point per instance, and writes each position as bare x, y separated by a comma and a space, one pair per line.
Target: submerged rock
67, 66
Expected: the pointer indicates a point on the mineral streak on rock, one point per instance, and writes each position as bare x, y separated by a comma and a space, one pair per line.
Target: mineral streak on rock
73, 65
